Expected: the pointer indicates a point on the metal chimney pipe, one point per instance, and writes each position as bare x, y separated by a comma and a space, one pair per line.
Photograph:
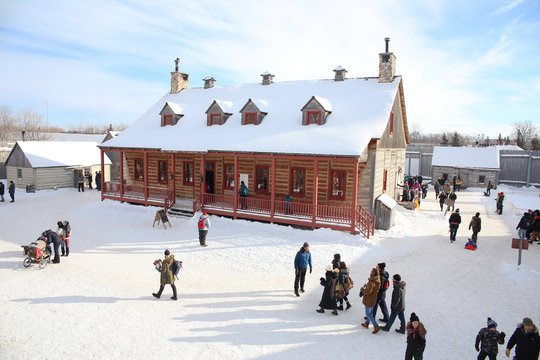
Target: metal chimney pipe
177, 61
23, 132
386, 40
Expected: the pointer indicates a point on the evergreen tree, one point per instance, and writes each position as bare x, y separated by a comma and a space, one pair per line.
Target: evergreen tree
520, 140
535, 143
455, 139
444, 140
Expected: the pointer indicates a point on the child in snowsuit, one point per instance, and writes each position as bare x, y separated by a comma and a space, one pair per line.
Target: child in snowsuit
167, 276
416, 339
487, 339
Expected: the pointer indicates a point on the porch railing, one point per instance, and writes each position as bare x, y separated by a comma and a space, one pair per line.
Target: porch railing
365, 222
136, 193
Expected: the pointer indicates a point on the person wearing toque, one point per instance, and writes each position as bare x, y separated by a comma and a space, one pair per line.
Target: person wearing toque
487, 340
526, 340
416, 339
301, 262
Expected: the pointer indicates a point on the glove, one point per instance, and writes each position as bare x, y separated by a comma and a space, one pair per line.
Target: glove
503, 335
507, 352
477, 347
310, 269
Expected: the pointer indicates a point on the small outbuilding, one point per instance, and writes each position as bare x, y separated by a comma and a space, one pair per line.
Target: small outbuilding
475, 166
53, 164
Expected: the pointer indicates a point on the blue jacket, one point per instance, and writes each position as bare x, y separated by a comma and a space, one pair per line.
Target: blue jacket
206, 222
302, 259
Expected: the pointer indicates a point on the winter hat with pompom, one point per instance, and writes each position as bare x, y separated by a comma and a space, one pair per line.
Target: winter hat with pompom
491, 323
414, 317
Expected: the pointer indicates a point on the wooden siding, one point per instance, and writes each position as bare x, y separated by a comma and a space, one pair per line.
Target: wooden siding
17, 158
313, 105
250, 107
51, 177
398, 137
470, 177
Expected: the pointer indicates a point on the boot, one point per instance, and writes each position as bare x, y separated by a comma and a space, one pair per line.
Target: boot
158, 295
334, 312
340, 307
174, 297
376, 330
348, 306
366, 325
296, 293
67, 251
321, 310
63, 253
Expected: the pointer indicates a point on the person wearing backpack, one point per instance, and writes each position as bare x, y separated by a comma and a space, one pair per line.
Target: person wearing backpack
397, 307
344, 280
64, 230
243, 192
167, 275
203, 224
381, 296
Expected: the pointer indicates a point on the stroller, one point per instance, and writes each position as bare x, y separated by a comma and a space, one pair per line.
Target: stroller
36, 253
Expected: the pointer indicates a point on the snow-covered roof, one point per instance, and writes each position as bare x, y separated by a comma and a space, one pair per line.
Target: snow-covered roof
466, 157
177, 109
508, 147
61, 153
388, 201
360, 111
74, 137
339, 68
325, 103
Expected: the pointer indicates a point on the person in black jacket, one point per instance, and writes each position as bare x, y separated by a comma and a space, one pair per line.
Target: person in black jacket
487, 339
416, 339
53, 238
11, 191
442, 199
328, 299
2, 191
454, 221
381, 296
523, 226
526, 340
397, 307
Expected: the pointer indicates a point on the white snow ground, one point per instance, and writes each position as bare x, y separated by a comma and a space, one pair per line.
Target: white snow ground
236, 297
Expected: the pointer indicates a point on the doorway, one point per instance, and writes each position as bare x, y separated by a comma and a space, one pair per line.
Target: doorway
209, 174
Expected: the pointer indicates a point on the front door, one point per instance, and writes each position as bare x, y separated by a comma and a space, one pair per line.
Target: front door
209, 175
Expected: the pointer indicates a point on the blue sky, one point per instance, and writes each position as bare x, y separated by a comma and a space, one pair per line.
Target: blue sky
467, 66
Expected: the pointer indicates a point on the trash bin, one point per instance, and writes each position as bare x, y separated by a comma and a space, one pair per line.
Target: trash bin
385, 212
30, 188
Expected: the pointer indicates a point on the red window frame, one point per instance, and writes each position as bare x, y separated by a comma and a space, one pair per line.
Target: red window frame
213, 117
188, 173
167, 120
308, 120
338, 182
138, 171
254, 122
391, 123
293, 190
261, 182
162, 172
384, 180
228, 177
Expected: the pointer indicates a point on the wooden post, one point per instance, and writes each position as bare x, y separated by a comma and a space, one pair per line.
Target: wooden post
173, 169
121, 176
102, 172
355, 198
203, 180
273, 188
145, 175
236, 186
315, 191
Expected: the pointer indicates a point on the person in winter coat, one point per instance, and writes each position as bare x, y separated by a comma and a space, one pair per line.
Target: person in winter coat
459, 182
2, 189
447, 187
167, 276
243, 192
487, 339
328, 299
535, 227
64, 231
454, 221
342, 278
336, 261
55, 240
442, 199
531, 221
437, 188
523, 226
203, 230
424, 190
526, 340
369, 293
500, 201
451, 201
488, 188
80, 182
476, 226
381, 296
11, 191
416, 339
301, 262
397, 307
89, 178
98, 180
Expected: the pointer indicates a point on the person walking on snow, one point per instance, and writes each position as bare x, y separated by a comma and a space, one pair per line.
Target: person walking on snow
2, 189
328, 299
416, 339
397, 307
455, 220
369, 293
381, 296
64, 231
476, 226
451, 201
167, 276
535, 227
437, 188
523, 226
499, 200
301, 262
442, 199
487, 339
203, 225
342, 278
526, 340
11, 191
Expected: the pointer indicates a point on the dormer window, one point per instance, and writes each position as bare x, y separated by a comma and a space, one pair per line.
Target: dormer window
218, 112
316, 111
170, 114
254, 111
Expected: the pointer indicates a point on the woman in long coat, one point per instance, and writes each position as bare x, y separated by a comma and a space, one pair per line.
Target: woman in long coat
167, 276
369, 293
328, 299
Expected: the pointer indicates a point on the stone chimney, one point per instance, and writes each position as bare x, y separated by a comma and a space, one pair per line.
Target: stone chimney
179, 81
209, 82
387, 65
267, 78
341, 73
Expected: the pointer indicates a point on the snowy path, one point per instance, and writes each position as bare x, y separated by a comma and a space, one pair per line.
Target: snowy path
236, 297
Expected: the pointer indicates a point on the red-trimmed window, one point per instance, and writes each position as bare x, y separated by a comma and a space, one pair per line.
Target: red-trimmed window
337, 184
138, 169
250, 118
188, 173
228, 176
384, 180
298, 181
261, 179
215, 119
313, 117
391, 123
162, 172
167, 120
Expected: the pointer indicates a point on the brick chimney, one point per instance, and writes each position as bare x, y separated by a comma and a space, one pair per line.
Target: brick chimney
179, 81
341, 73
387, 65
267, 78
209, 82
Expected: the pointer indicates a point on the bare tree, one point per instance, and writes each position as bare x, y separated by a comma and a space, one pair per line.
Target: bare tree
8, 125
31, 123
524, 132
